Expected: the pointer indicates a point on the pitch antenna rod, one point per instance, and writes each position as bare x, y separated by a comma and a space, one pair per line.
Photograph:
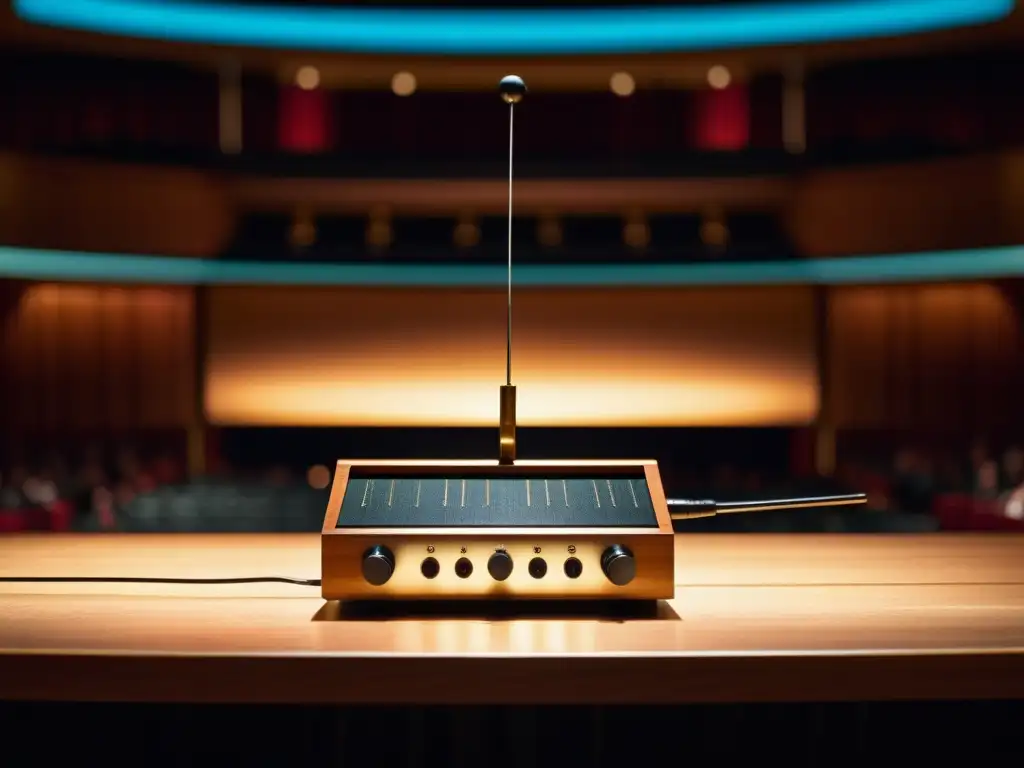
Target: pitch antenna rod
512, 89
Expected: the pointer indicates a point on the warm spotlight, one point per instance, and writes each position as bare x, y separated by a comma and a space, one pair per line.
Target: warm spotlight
303, 230
549, 231
318, 477
466, 234
636, 233
719, 77
714, 234
379, 233
622, 84
307, 78
403, 84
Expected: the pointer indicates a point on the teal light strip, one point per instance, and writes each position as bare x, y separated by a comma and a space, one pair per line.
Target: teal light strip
523, 31
63, 266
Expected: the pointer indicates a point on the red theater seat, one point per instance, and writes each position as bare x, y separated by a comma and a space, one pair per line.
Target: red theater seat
957, 512
60, 516
12, 520
953, 511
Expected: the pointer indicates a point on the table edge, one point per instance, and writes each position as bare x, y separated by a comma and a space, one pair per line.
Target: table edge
556, 679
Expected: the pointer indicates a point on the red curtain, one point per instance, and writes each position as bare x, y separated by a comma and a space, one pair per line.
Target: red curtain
722, 119
303, 120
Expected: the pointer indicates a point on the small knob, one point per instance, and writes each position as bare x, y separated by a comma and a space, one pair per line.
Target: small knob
499, 565
378, 565
618, 565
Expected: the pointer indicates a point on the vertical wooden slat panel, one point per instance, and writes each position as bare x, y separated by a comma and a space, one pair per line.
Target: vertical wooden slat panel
115, 362
938, 357
901, 378
22, 404
33, 362
10, 372
154, 355
79, 353
47, 349
187, 395
937, 345
857, 329
97, 359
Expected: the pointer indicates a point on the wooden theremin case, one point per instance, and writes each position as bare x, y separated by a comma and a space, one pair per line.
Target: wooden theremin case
444, 530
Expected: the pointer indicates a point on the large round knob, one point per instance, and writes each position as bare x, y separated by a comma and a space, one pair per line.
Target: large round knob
618, 565
378, 565
499, 565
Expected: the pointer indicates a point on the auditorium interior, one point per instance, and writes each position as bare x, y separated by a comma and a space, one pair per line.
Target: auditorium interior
781, 267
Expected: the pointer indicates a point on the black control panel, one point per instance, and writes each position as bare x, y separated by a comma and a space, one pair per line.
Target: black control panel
505, 502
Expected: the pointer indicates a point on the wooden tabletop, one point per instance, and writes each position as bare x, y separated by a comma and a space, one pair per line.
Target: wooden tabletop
755, 618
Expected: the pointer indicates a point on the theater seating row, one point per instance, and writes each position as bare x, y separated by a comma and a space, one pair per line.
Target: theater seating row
960, 512
58, 518
852, 520
220, 508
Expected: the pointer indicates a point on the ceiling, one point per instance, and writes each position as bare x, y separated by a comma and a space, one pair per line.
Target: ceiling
542, 72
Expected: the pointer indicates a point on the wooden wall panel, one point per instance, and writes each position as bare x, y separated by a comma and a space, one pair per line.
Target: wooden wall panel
87, 358
935, 358
96, 206
1011, 197
922, 206
963, 202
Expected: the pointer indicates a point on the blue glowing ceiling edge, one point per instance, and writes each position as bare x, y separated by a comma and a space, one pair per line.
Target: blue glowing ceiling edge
511, 31
943, 266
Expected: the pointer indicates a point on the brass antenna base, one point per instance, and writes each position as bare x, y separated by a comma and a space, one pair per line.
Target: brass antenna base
507, 425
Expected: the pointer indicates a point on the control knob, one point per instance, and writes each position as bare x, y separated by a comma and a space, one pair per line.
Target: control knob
499, 565
618, 565
378, 565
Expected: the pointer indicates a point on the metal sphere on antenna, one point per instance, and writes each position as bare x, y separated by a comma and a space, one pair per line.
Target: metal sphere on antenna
512, 89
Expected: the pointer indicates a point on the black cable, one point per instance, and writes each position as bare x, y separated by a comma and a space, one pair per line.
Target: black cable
155, 580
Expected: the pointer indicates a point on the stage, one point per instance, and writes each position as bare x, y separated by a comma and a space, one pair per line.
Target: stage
756, 618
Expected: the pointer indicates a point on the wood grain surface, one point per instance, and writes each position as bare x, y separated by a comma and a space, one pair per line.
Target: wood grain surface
755, 618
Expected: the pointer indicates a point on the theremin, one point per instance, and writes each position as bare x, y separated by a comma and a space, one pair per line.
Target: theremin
507, 528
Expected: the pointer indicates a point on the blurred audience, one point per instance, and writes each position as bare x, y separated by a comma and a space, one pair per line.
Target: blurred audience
50, 495
54, 494
1013, 467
